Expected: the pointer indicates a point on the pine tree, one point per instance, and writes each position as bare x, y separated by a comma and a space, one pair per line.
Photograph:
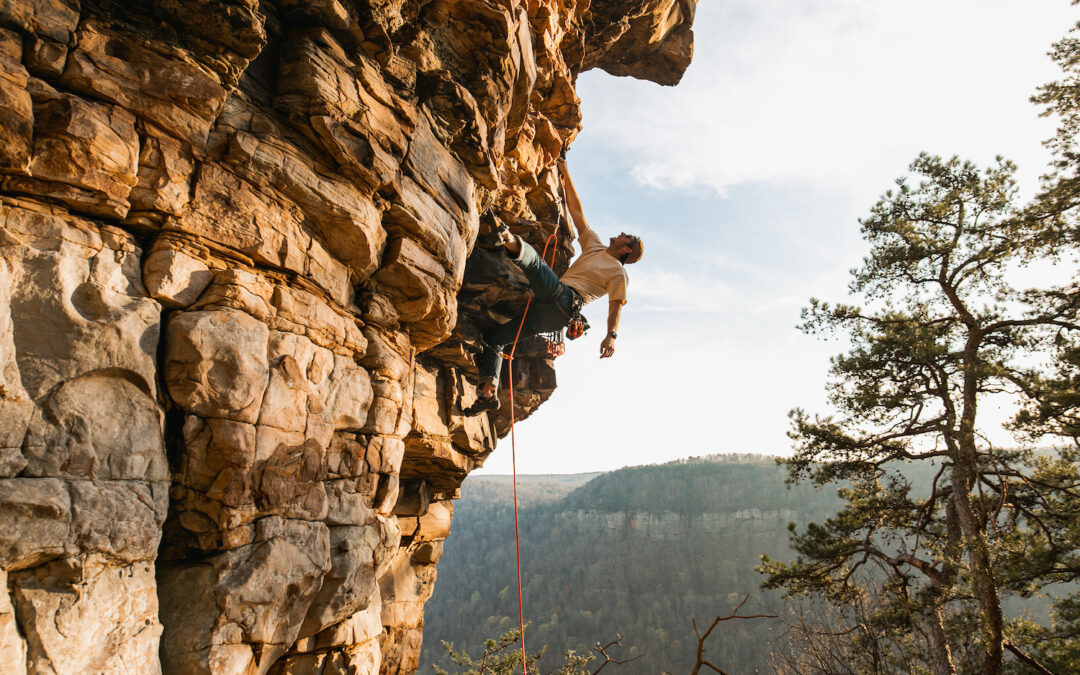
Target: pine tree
940, 328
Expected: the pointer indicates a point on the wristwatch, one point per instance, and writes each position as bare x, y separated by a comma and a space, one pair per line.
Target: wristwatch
613, 335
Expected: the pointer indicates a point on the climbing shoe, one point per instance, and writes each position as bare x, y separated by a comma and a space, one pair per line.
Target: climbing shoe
481, 405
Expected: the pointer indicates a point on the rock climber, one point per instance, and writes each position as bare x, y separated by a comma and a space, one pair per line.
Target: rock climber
598, 271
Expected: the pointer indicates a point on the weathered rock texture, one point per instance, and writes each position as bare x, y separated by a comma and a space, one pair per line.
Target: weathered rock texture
240, 294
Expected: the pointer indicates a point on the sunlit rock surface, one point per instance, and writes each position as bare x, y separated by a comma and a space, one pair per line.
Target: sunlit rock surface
242, 279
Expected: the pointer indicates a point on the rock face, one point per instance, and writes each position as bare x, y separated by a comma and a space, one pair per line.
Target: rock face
240, 293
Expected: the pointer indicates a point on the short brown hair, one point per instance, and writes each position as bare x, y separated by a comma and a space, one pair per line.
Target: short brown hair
637, 249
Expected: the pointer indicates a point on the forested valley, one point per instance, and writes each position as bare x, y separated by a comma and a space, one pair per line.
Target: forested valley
639, 552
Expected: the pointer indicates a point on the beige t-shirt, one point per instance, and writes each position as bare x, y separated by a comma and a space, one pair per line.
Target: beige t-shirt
596, 273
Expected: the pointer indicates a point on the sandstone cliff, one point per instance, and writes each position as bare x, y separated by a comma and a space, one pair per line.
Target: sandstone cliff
240, 293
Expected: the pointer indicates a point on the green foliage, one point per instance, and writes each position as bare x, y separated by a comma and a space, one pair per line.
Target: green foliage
940, 326
502, 656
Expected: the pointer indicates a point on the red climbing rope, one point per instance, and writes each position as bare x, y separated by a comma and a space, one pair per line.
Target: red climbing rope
513, 447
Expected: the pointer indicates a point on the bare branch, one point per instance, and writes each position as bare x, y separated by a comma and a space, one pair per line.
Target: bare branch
701, 638
602, 651
1027, 659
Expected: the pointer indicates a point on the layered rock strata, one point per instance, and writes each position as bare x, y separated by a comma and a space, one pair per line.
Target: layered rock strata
240, 293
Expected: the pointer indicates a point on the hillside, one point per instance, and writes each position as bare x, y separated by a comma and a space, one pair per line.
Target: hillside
639, 551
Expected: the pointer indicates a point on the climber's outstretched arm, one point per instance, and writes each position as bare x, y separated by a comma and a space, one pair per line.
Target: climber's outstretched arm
607, 347
572, 201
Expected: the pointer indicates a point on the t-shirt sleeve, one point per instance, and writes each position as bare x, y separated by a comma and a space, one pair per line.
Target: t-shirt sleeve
616, 287
590, 241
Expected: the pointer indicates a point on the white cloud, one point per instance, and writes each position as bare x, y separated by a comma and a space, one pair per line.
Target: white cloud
835, 92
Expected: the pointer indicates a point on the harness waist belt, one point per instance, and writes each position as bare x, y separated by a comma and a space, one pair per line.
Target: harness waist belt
576, 301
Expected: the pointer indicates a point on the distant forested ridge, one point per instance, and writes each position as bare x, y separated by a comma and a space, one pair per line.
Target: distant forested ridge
639, 551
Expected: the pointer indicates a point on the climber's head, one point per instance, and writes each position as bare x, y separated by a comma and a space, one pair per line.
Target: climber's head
627, 248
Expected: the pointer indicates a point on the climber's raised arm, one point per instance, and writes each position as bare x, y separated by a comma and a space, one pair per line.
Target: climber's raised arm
573, 203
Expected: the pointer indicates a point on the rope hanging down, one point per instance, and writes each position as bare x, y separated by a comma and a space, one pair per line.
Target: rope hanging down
513, 444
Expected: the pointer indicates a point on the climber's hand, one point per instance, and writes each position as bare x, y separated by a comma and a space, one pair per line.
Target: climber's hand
607, 347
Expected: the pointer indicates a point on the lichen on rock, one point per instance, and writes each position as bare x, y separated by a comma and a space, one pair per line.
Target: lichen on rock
242, 282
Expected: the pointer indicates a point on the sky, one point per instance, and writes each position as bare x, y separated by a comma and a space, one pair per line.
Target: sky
746, 182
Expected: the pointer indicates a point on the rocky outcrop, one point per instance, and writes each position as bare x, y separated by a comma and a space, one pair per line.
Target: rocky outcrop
242, 279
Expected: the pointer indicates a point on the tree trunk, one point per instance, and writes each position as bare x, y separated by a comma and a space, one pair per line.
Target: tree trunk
978, 554
965, 473
940, 654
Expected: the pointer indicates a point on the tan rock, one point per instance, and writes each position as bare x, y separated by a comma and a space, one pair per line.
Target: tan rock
37, 517
316, 75
346, 588
167, 87
174, 278
346, 220
403, 588
656, 43
219, 459
289, 482
84, 154
240, 289
391, 452
360, 629
414, 496
55, 19
349, 502
302, 311
421, 216
53, 519
16, 117
11, 47
386, 494
163, 183
428, 553
236, 26
386, 415
345, 457
120, 520
215, 363
12, 645
435, 524
45, 58
411, 276
15, 404
561, 105
97, 426
455, 110
389, 355
429, 403
439, 173
349, 395
103, 622
80, 286
285, 400
401, 650
437, 458
231, 212
262, 593
269, 440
